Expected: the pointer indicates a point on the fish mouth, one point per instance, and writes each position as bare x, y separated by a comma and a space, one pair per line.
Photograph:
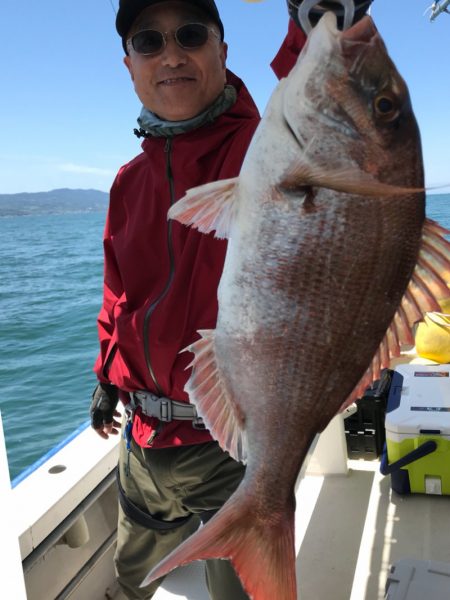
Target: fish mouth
363, 31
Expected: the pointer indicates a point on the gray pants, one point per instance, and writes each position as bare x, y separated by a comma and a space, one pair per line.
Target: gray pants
171, 483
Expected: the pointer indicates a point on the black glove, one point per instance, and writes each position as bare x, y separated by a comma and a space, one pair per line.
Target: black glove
103, 405
316, 12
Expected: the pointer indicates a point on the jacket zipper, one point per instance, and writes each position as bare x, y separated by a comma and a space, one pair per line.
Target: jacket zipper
152, 307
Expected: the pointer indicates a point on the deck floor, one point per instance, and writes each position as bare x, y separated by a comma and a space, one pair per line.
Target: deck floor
350, 530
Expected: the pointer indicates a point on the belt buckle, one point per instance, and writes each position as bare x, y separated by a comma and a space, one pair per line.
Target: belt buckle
154, 406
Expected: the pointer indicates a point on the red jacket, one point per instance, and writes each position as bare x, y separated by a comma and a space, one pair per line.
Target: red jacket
161, 278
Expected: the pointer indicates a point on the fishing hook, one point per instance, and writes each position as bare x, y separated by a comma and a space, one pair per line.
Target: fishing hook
438, 8
307, 5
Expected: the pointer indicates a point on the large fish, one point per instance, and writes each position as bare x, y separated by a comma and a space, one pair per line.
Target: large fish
330, 262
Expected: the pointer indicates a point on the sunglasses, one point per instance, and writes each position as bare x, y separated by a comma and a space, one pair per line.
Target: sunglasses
190, 36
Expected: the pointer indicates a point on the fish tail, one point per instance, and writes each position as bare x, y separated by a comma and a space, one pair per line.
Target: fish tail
261, 549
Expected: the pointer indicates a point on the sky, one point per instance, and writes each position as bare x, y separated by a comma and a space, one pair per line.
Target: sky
68, 108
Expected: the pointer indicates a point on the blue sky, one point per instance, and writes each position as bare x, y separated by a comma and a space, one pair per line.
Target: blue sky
68, 109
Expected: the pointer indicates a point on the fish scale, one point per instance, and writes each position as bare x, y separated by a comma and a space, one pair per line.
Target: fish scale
330, 262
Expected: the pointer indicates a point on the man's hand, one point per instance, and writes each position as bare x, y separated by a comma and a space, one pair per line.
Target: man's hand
319, 8
103, 410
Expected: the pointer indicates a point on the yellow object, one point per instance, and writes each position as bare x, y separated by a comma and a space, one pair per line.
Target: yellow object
432, 465
433, 336
445, 305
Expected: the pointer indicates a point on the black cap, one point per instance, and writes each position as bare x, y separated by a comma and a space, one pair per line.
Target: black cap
129, 10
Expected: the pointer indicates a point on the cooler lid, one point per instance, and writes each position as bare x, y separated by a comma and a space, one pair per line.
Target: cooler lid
419, 400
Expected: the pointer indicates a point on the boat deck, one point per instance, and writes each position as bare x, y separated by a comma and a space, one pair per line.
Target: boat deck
350, 526
350, 530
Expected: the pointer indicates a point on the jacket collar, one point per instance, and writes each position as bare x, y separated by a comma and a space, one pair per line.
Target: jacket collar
150, 125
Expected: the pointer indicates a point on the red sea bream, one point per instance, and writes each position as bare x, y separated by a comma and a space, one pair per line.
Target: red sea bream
330, 262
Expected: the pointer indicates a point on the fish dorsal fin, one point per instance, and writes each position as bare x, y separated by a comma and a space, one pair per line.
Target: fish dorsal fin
428, 286
209, 207
214, 401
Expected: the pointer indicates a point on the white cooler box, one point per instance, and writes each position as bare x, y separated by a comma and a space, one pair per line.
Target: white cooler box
417, 454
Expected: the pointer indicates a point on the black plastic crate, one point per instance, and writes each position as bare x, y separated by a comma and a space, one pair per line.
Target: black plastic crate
364, 430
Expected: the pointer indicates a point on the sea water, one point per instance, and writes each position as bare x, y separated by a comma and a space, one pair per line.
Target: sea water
51, 288
50, 294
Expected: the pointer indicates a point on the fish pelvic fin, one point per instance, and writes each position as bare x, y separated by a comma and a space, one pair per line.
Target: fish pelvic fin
349, 181
209, 207
261, 551
214, 401
428, 287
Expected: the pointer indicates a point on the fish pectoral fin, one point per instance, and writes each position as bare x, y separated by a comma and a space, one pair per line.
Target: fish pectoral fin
209, 207
349, 181
429, 285
214, 401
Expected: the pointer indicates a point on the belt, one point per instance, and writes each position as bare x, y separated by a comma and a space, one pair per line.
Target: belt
165, 409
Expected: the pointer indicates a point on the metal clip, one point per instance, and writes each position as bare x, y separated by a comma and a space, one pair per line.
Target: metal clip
437, 8
198, 424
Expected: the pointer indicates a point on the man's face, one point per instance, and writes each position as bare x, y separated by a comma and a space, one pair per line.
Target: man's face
176, 84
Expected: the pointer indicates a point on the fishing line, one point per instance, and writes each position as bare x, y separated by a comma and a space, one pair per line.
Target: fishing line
113, 7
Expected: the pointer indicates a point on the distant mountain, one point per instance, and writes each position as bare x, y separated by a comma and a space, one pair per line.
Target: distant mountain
54, 202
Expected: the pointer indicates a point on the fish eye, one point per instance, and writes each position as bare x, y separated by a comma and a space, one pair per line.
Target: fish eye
386, 107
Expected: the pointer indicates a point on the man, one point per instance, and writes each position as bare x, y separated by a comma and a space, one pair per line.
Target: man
161, 281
